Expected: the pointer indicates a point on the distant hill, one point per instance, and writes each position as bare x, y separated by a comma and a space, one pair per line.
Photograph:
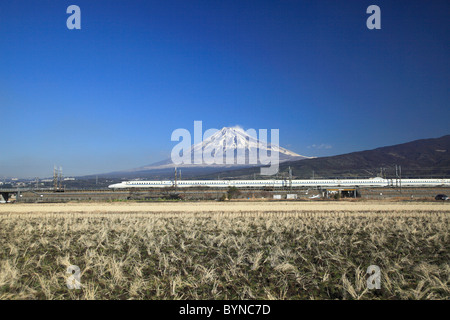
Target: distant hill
419, 158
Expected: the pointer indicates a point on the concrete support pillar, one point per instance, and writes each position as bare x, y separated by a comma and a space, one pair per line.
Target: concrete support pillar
3, 197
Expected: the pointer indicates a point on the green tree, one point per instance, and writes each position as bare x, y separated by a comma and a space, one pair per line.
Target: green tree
233, 192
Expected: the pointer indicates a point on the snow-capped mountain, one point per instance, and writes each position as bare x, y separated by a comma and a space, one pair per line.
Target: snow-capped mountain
235, 142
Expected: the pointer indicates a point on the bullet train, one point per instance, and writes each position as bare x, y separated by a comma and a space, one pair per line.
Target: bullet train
373, 182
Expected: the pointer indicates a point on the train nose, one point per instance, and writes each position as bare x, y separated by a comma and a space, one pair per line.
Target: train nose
112, 186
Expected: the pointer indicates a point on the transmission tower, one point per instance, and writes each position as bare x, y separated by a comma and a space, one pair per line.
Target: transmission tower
60, 179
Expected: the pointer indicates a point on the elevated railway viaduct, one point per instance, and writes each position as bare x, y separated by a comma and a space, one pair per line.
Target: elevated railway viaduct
303, 193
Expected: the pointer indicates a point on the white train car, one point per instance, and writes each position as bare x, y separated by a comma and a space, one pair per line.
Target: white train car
373, 182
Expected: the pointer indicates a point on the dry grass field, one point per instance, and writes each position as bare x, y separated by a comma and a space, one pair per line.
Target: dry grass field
230, 250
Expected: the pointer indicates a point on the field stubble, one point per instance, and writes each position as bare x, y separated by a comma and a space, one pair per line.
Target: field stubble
269, 251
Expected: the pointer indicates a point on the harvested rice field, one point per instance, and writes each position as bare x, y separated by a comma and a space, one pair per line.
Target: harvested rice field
225, 250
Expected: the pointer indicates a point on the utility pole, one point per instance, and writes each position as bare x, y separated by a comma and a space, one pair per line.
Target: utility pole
290, 178
396, 176
175, 177
400, 172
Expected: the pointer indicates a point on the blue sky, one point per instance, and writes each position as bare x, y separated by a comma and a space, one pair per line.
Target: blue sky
107, 97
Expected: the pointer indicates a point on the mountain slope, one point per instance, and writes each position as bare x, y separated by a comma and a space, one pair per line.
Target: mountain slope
420, 158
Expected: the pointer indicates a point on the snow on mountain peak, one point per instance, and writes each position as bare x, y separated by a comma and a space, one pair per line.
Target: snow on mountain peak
235, 138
